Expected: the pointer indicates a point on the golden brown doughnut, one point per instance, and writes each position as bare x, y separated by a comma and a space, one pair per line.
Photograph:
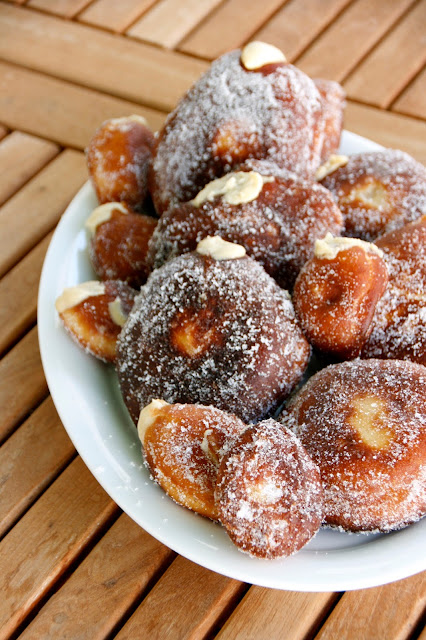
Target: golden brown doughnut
333, 101
364, 424
183, 445
268, 492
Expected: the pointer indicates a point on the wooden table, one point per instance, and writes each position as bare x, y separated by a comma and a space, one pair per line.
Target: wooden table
71, 564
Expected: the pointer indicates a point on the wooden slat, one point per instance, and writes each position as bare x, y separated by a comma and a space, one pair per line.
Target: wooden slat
403, 50
21, 156
64, 8
193, 598
20, 369
113, 15
84, 55
349, 38
287, 615
413, 101
384, 613
29, 461
294, 27
58, 110
18, 312
389, 129
104, 587
169, 21
36, 208
228, 27
37, 551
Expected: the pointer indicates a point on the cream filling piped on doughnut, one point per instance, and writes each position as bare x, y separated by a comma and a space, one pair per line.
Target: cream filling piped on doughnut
102, 214
219, 249
257, 54
328, 247
72, 296
238, 187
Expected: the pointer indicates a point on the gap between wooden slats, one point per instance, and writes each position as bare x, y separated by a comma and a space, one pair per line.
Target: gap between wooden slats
188, 601
37, 207
390, 612
413, 101
58, 110
382, 76
22, 382
113, 15
29, 460
350, 37
49, 538
102, 592
65, 8
21, 157
228, 26
3, 131
169, 21
99, 60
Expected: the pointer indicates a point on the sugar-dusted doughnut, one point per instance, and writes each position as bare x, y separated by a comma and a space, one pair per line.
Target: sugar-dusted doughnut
378, 191
398, 328
364, 424
118, 159
336, 294
211, 327
94, 312
276, 219
119, 242
268, 492
238, 109
183, 445
333, 100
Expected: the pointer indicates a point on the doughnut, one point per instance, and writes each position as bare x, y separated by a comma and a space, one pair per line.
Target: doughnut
118, 158
336, 294
183, 445
399, 322
234, 112
276, 219
118, 243
378, 192
364, 424
268, 492
333, 100
94, 313
211, 327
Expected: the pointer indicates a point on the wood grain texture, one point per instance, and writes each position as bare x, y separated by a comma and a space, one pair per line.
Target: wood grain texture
228, 27
169, 21
99, 60
113, 15
403, 50
29, 460
21, 157
37, 207
298, 23
389, 129
413, 101
51, 535
20, 369
64, 8
18, 312
383, 613
194, 599
58, 110
267, 613
116, 574
350, 37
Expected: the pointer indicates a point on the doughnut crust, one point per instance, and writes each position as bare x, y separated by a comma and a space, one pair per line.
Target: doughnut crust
214, 332
231, 114
333, 101
268, 492
278, 228
399, 323
378, 192
364, 424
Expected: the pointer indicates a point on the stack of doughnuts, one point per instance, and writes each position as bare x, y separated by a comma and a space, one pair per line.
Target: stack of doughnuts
262, 300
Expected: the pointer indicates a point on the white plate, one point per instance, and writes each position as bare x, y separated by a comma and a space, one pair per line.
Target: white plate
87, 398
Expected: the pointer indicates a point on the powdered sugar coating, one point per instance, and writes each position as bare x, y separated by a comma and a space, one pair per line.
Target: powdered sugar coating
211, 332
278, 228
364, 424
268, 492
333, 100
378, 191
232, 114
